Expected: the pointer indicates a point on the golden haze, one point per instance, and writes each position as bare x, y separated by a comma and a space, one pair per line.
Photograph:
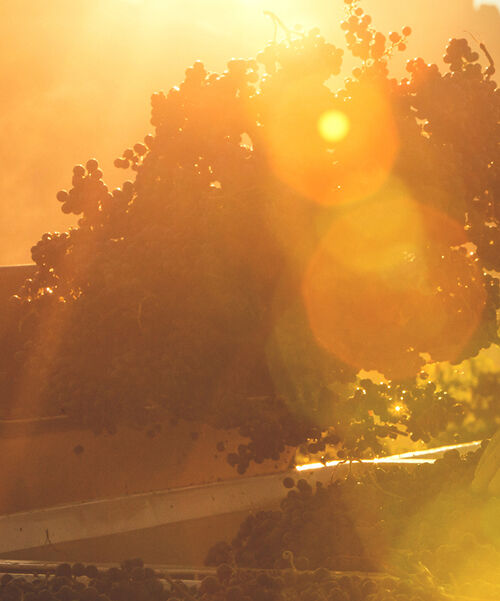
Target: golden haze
77, 77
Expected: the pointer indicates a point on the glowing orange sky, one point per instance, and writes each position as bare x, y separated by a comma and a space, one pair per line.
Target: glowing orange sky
77, 76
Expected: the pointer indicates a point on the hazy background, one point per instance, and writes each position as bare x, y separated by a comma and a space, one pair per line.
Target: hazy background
77, 75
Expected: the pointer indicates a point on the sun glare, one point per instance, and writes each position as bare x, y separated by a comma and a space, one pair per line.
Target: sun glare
334, 126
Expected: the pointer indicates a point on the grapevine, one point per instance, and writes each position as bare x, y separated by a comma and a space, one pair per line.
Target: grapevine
423, 523
276, 237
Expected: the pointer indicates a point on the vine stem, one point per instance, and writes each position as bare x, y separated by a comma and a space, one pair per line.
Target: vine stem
278, 23
372, 478
490, 70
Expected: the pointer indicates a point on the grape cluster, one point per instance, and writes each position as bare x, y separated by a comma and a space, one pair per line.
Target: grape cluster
469, 171
460, 56
297, 55
133, 581
270, 428
364, 41
181, 294
132, 157
88, 191
88, 583
271, 585
361, 422
387, 520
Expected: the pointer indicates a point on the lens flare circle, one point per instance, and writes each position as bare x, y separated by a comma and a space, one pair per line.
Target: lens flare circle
389, 281
330, 151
